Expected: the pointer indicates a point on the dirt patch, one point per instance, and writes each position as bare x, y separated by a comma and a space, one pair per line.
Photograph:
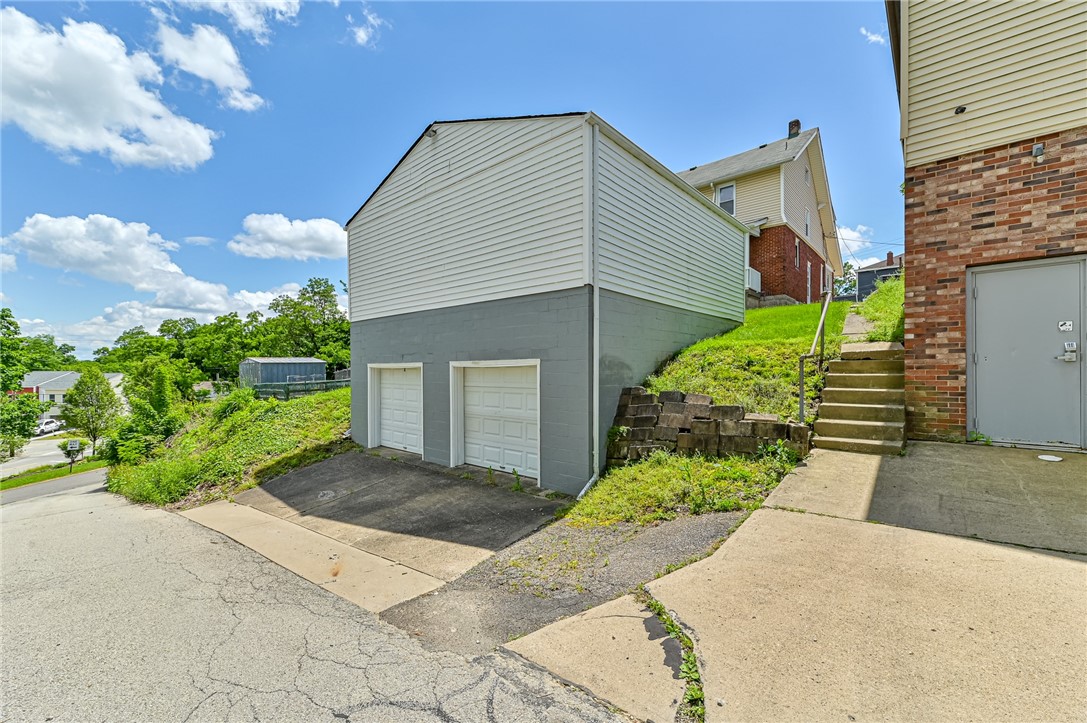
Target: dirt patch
559, 571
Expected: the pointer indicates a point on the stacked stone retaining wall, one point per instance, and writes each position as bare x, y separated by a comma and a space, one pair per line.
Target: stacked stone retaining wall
692, 424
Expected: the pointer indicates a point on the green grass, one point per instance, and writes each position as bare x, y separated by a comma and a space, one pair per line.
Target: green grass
41, 474
667, 485
884, 309
237, 442
756, 365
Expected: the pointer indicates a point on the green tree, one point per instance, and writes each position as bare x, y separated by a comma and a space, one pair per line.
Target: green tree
91, 405
18, 419
305, 324
846, 284
12, 368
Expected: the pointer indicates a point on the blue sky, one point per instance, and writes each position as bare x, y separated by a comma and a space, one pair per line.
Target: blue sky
161, 160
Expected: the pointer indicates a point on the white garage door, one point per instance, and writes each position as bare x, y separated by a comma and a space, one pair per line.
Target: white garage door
400, 409
501, 429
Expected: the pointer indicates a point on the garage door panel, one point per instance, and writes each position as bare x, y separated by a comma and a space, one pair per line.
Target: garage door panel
400, 409
500, 425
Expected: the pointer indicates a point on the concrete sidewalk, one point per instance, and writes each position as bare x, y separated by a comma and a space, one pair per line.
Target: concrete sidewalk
819, 617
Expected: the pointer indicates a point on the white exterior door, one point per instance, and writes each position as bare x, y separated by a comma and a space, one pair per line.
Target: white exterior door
400, 408
501, 421
1027, 386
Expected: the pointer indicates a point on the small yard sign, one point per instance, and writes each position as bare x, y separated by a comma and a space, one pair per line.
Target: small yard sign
73, 445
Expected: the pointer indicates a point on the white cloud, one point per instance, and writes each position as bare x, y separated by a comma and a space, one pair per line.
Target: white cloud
80, 91
274, 236
127, 253
8, 263
251, 16
209, 55
872, 37
367, 32
853, 241
199, 240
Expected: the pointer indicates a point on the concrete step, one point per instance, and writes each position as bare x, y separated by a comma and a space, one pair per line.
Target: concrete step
853, 395
881, 380
863, 446
858, 429
864, 412
873, 350
867, 366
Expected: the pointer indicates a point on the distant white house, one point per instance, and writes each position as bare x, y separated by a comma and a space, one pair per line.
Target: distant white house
53, 386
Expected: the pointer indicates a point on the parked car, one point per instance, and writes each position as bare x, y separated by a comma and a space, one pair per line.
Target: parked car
48, 426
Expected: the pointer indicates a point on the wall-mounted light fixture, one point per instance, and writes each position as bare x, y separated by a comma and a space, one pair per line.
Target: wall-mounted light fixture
1038, 151
431, 132
960, 110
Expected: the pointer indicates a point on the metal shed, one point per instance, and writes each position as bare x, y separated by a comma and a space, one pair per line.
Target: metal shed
275, 370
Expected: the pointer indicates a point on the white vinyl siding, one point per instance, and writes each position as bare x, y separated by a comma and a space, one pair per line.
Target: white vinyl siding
801, 203
657, 242
482, 210
1019, 68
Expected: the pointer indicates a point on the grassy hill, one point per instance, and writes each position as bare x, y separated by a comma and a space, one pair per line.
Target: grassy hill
236, 442
755, 365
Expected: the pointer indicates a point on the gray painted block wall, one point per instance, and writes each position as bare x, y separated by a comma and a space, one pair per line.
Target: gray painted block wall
553, 327
635, 337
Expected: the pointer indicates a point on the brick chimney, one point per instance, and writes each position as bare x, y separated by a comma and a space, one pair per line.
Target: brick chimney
890, 258
794, 128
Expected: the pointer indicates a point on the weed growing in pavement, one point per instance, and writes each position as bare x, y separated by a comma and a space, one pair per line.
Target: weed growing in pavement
490, 477
694, 698
517, 486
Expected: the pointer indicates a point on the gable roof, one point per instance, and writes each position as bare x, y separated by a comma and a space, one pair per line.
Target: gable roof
765, 156
446, 122
897, 263
37, 379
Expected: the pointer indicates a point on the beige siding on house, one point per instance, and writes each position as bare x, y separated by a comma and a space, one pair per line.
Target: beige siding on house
800, 197
1019, 68
481, 211
757, 196
657, 242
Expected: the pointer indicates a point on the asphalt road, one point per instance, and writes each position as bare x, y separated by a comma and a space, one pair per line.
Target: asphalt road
95, 477
123, 613
38, 451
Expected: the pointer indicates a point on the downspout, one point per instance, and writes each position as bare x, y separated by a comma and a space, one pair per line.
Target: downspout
596, 321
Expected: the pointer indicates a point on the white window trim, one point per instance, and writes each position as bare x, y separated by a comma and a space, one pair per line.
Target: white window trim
373, 399
717, 196
796, 245
807, 223
456, 405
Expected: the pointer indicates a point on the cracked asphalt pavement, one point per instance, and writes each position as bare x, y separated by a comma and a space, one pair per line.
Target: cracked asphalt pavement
117, 612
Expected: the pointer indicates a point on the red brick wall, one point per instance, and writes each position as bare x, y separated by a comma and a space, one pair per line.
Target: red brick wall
983, 208
773, 254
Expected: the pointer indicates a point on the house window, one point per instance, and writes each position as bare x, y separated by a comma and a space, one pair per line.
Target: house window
726, 198
807, 223
52, 397
797, 242
822, 281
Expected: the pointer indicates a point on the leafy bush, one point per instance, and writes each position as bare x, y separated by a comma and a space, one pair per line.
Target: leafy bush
234, 442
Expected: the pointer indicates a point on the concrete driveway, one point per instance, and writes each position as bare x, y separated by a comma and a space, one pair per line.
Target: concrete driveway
812, 612
373, 530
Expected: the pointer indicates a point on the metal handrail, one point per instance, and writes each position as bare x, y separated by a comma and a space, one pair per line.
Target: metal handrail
820, 340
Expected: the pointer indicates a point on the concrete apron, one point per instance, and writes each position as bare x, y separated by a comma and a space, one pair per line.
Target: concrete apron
813, 617
370, 581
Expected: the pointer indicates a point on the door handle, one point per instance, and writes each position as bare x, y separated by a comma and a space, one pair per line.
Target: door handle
1068, 356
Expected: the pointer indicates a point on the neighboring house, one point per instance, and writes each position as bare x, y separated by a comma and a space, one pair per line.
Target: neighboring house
993, 99
510, 275
780, 191
870, 275
52, 386
278, 369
